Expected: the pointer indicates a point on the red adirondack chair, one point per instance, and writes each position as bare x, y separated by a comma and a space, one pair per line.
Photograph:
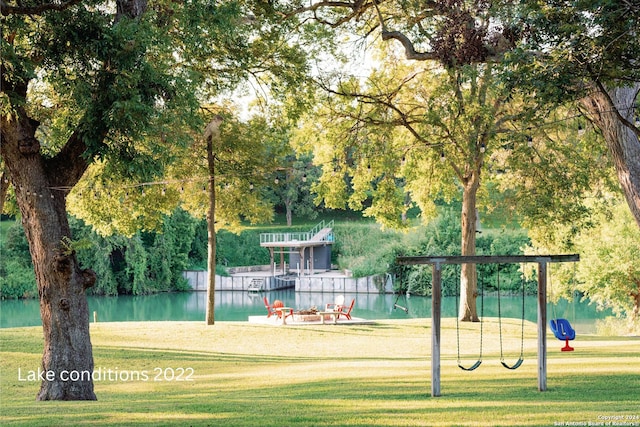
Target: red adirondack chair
270, 310
345, 311
276, 309
340, 308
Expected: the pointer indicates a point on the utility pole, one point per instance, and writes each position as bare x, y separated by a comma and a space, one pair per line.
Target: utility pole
212, 131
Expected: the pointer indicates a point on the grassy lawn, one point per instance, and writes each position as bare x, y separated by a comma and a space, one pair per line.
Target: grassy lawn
240, 374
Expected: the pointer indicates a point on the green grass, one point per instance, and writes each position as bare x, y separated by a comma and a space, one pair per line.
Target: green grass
368, 375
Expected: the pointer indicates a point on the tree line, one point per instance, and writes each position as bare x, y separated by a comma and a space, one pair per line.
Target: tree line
153, 261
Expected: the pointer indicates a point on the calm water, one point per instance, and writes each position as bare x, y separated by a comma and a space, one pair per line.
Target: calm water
238, 306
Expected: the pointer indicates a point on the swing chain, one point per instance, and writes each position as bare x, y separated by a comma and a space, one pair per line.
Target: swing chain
479, 361
521, 357
395, 303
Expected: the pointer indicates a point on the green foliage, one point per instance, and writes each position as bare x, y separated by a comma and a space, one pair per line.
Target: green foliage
17, 279
189, 54
512, 276
442, 237
439, 237
113, 205
70, 246
545, 180
364, 248
240, 249
170, 252
609, 270
137, 269
246, 154
292, 186
409, 135
147, 262
131, 89
592, 39
105, 257
198, 254
14, 241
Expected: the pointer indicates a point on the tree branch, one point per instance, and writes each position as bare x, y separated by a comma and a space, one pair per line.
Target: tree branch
600, 87
356, 8
409, 50
67, 167
385, 100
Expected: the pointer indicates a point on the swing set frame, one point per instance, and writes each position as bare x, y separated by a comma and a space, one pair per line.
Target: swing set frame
436, 301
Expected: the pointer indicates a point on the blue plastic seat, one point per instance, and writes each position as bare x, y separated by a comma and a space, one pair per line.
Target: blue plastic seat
562, 329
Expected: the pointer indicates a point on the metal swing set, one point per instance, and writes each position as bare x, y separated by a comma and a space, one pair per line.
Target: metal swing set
436, 309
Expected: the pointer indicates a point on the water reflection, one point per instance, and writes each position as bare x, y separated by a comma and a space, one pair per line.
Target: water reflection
238, 306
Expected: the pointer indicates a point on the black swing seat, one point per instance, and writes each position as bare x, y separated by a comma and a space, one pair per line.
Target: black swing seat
562, 329
472, 367
514, 366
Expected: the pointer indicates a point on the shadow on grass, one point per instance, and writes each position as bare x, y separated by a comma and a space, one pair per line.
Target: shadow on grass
370, 400
144, 354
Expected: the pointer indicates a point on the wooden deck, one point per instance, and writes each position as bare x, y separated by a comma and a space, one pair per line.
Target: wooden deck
308, 320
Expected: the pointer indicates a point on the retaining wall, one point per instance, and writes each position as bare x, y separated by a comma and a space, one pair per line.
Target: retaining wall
371, 284
198, 281
378, 284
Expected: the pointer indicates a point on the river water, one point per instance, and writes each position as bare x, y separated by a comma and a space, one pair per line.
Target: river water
239, 305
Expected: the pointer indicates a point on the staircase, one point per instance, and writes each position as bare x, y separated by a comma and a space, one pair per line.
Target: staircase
256, 285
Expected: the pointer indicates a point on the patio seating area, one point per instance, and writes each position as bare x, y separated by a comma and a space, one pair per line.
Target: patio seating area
336, 313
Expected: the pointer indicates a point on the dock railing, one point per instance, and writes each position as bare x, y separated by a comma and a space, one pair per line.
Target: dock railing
301, 236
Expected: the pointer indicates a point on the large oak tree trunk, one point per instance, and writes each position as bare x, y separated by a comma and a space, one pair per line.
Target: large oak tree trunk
609, 109
468, 276
40, 187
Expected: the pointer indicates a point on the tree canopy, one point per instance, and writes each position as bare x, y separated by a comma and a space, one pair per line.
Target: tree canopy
588, 51
442, 121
